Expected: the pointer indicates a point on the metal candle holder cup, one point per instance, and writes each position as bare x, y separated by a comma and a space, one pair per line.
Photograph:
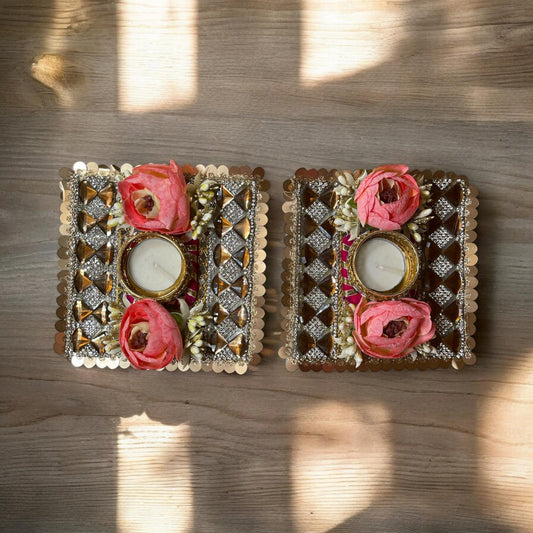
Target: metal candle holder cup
129, 284
412, 265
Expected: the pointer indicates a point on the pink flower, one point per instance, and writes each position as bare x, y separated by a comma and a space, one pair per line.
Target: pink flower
155, 199
149, 336
387, 198
392, 329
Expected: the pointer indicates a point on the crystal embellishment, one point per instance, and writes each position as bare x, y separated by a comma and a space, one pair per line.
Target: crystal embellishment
228, 329
234, 186
92, 297
233, 212
89, 351
318, 211
318, 240
229, 299
441, 237
95, 238
232, 241
94, 268
316, 328
443, 325
97, 182
230, 271
315, 354
316, 299
318, 185
226, 354
442, 295
441, 266
317, 270
97, 208
444, 351
442, 183
443, 208
91, 327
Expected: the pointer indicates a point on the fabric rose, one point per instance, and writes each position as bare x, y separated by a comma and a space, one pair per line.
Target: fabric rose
391, 329
155, 199
387, 198
149, 336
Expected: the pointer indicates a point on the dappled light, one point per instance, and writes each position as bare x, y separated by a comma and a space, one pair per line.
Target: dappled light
341, 38
155, 36
158, 497
341, 459
506, 434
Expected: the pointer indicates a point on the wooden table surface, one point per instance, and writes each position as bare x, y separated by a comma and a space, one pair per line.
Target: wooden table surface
279, 84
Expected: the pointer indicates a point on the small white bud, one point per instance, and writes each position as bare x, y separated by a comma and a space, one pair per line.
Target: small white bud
423, 214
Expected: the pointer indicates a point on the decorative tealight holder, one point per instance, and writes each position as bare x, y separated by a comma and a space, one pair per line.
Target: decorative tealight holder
152, 265
327, 272
383, 265
211, 278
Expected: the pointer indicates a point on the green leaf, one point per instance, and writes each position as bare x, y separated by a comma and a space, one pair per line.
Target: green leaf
351, 203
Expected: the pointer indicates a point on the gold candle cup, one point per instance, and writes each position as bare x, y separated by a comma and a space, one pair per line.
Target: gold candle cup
129, 284
410, 255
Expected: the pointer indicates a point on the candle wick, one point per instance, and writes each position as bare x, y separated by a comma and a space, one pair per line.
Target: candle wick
157, 265
390, 269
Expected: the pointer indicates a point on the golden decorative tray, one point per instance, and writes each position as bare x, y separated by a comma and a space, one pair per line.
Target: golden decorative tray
313, 282
230, 257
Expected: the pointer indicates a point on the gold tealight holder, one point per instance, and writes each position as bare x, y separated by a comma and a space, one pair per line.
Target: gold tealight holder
131, 286
411, 265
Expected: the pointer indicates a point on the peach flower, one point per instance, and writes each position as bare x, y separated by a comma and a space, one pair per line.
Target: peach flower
149, 336
155, 199
391, 329
387, 198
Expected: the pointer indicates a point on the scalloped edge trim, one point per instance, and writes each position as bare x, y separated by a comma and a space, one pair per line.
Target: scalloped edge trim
289, 284
255, 345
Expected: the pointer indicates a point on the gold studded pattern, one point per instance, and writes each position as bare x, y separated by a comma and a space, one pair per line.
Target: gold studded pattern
231, 262
312, 279
230, 279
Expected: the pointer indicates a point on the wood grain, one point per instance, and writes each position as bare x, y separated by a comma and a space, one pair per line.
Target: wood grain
89, 450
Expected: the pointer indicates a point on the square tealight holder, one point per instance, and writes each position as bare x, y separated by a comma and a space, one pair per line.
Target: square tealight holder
226, 263
318, 274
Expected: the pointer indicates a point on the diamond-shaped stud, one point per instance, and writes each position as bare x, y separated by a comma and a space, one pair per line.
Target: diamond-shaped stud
97, 208
228, 329
94, 268
230, 271
316, 298
318, 240
441, 266
315, 354
442, 295
229, 300
441, 237
233, 241
318, 211
317, 270
443, 208
91, 327
95, 237
92, 297
233, 212
443, 325
316, 328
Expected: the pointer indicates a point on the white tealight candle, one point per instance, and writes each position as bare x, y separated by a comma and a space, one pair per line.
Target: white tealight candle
155, 264
380, 264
